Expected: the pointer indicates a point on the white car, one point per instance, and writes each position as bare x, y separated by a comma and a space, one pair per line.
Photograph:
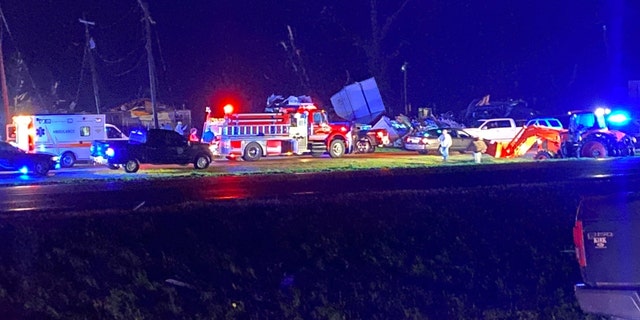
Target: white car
545, 122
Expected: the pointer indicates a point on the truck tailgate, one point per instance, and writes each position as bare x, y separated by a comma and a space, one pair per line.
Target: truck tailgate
611, 240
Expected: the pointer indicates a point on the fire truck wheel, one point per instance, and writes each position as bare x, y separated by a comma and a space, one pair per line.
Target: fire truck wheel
41, 168
593, 149
336, 148
132, 166
252, 152
202, 162
67, 160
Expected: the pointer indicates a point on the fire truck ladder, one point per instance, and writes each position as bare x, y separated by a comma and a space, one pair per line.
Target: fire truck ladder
257, 124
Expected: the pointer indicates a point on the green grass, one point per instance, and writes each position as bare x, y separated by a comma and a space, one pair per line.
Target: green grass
472, 253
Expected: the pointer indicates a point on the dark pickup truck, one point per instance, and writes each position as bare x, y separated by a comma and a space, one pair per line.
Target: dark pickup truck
606, 235
155, 146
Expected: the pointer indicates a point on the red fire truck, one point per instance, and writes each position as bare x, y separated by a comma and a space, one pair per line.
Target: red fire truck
292, 129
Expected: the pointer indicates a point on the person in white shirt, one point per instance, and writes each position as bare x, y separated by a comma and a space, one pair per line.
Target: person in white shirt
445, 144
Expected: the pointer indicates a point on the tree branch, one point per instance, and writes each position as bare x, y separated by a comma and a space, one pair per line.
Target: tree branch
391, 19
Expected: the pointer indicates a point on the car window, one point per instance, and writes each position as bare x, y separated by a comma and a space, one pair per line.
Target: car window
113, 133
503, 124
174, 140
433, 133
555, 123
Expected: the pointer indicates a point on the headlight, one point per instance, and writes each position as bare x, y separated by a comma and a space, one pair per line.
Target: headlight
109, 152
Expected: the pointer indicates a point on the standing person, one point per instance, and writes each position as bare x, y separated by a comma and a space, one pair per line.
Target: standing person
478, 147
208, 136
180, 128
193, 135
445, 143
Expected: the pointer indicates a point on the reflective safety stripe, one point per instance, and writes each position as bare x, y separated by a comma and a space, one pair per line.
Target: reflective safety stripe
274, 147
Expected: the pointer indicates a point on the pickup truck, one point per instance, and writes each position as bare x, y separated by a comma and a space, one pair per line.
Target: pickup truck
155, 146
497, 129
607, 244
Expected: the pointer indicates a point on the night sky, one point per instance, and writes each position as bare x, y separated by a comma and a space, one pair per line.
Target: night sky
558, 55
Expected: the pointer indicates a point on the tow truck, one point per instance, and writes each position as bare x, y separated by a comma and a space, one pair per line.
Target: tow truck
299, 128
588, 136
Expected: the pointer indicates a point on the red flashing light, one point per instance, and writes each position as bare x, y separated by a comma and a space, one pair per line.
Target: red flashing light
228, 109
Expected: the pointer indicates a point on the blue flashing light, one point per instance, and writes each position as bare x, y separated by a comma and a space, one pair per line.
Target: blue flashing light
109, 152
618, 118
24, 170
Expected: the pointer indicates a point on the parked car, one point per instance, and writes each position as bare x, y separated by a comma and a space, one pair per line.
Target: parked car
545, 122
15, 159
427, 140
497, 129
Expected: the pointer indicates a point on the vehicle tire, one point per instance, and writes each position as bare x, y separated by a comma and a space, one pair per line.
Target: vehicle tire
201, 162
113, 166
252, 152
41, 168
336, 148
364, 146
132, 166
593, 149
372, 146
626, 147
67, 160
543, 155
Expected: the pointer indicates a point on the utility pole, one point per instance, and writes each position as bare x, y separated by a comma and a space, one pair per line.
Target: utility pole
152, 73
3, 80
90, 46
404, 70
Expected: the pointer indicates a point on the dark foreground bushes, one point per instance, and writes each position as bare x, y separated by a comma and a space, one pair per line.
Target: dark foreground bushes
460, 254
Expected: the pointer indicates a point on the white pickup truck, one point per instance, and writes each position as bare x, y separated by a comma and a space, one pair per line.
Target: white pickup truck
497, 129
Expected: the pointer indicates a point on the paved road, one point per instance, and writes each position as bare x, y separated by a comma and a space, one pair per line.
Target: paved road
618, 175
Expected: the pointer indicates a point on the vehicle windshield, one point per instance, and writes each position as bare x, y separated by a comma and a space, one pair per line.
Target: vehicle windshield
477, 123
320, 117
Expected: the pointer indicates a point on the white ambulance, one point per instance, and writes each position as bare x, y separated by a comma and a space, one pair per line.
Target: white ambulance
68, 136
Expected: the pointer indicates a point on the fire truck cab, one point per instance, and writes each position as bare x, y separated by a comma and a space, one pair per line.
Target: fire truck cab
293, 129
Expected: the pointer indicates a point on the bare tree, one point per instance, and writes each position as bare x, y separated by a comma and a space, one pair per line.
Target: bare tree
295, 60
372, 44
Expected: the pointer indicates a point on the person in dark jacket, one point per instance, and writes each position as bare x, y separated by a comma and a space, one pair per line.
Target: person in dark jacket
478, 147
